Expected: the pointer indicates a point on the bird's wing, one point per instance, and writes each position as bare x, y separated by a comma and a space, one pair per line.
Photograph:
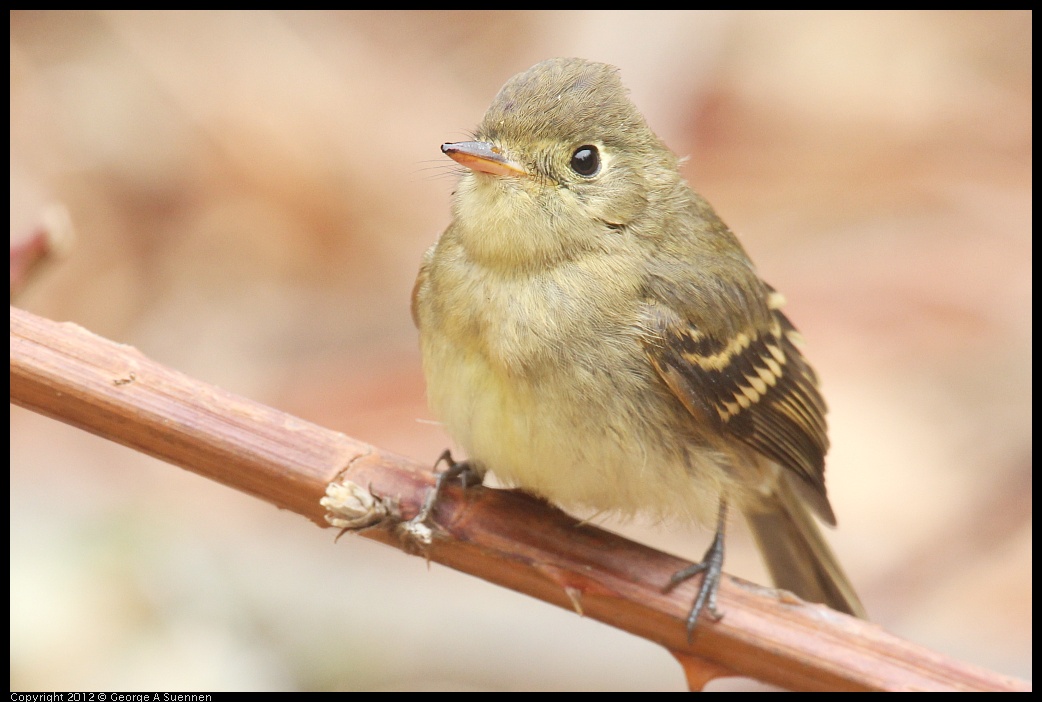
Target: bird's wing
421, 282
753, 385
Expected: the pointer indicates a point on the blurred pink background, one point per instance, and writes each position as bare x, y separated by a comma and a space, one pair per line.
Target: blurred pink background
252, 193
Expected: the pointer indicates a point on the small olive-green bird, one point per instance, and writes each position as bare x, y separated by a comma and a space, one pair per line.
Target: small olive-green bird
594, 334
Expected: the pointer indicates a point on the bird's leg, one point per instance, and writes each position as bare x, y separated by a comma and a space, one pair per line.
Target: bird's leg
456, 469
712, 568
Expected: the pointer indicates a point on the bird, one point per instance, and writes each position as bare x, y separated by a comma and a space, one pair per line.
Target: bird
594, 334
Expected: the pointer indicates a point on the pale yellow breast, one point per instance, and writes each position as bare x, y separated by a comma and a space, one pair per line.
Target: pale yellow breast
549, 390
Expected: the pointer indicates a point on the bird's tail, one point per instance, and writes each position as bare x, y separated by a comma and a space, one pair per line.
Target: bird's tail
797, 555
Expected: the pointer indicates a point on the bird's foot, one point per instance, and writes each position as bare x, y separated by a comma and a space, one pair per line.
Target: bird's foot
419, 529
712, 569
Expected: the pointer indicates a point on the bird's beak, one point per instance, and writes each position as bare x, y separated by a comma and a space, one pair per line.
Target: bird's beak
482, 156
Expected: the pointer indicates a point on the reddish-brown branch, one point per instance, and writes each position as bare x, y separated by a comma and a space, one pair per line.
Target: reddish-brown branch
67, 373
52, 236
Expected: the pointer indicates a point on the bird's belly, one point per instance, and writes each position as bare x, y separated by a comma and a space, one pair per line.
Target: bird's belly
578, 437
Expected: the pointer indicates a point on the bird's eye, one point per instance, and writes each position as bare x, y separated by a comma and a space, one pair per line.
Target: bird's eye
586, 160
